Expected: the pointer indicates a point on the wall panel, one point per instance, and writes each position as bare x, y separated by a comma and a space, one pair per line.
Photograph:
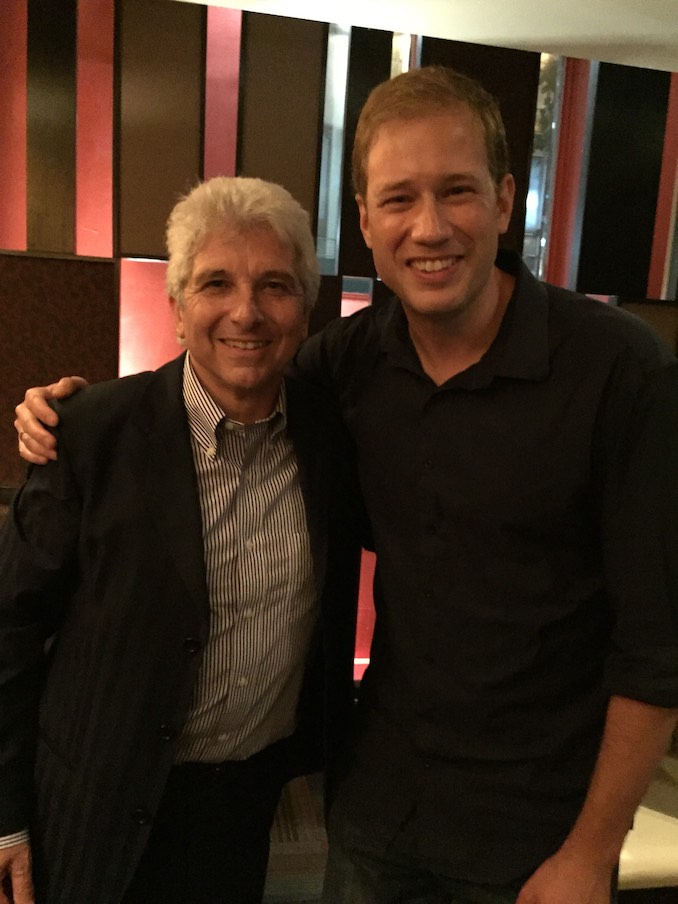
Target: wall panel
623, 180
50, 129
281, 97
161, 58
222, 85
13, 26
62, 317
369, 64
94, 129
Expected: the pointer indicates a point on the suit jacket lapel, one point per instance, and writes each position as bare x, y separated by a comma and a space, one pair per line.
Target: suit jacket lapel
171, 481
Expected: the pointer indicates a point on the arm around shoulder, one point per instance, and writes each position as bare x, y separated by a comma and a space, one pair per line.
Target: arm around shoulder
36, 444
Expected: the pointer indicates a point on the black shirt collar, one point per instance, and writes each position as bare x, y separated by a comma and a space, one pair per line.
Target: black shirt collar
520, 349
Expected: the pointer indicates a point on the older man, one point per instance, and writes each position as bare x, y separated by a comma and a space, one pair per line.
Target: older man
173, 563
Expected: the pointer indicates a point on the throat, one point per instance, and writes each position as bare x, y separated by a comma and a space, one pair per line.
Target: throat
447, 347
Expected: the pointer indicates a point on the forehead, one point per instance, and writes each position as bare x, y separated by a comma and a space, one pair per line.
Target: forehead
445, 142
252, 250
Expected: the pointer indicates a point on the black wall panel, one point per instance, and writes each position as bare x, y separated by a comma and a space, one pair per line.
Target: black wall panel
623, 180
50, 125
369, 64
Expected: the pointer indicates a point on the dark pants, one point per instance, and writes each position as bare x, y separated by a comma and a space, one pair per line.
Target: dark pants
356, 876
210, 839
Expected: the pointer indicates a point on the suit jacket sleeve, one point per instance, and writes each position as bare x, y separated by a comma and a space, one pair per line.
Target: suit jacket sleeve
37, 546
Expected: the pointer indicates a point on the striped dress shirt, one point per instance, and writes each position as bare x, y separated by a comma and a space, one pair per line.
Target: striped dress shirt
260, 581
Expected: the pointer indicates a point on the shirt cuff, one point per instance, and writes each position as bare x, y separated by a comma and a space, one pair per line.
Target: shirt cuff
17, 838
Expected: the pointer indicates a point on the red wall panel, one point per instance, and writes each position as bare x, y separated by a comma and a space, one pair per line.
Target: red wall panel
222, 84
94, 129
13, 29
147, 337
668, 186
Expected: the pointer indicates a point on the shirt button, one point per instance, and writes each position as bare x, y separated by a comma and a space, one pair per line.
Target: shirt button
141, 817
428, 464
248, 613
210, 451
243, 682
167, 732
191, 645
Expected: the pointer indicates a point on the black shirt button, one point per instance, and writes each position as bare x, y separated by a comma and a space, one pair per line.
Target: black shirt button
141, 817
428, 464
167, 732
191, 645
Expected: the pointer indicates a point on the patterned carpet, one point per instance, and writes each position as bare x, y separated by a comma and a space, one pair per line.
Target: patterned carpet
298, 845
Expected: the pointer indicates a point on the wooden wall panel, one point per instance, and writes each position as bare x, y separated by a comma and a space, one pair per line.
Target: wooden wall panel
512, 76
57, 316
281, 98
162, 60
50, 129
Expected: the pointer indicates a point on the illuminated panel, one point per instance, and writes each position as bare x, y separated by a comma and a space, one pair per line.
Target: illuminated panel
13, 28
365, 628
667, 205
94, 129
222, 83
147, 337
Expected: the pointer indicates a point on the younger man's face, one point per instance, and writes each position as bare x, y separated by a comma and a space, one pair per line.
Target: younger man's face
432, 214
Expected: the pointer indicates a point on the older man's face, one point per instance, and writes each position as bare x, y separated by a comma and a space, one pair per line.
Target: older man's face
242, 319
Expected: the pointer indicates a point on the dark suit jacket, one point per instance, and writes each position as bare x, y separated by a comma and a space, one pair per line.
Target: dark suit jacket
101, 562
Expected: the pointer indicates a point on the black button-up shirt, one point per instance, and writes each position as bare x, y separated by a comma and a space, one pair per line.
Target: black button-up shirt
525, 519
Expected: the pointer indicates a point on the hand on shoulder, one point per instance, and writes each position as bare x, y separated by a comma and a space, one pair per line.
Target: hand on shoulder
36, 444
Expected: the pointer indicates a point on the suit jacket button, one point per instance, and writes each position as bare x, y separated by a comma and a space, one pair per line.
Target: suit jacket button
167, 732
141, 817
191, 645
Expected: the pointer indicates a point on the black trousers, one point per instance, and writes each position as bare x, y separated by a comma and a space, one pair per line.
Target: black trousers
209, 842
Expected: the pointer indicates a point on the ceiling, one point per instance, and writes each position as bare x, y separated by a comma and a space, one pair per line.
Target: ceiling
632, 32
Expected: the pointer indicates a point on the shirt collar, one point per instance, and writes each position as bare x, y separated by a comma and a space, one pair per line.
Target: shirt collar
521, 348
205, 415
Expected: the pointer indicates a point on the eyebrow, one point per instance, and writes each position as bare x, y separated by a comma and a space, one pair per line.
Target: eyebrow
221, 273
202, 275
403, 184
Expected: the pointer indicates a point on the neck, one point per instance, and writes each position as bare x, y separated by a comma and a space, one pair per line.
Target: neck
451, 343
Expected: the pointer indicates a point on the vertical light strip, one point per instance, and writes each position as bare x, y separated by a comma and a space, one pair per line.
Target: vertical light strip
666, 220
568, 202
331, 157
13, 31
94, 129
222, 83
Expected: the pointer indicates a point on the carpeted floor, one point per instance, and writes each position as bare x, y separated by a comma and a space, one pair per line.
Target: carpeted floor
298, 845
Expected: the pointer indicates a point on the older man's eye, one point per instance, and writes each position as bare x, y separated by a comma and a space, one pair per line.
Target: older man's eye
215, 286
277, 288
